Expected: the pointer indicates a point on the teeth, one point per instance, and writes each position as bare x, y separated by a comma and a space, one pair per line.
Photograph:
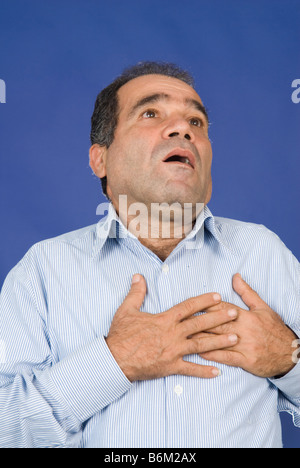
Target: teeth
187, 161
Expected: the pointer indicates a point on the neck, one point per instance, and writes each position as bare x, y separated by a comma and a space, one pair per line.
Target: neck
161, 247
161, 226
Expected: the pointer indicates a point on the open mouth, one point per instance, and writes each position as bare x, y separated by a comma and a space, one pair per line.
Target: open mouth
181, 156
177, 158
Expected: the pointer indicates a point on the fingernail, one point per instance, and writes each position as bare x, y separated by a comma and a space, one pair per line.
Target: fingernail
232, 313
233, 338
136, 279
216, 372
217, 297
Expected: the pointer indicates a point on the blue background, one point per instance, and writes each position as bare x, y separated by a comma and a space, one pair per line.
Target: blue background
57, 55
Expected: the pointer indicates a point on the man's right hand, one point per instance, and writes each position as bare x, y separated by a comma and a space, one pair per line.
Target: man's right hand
148, 346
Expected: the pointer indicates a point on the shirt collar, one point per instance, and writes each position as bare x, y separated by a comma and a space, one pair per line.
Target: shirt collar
205, 222
109, 226
112, 227
215, 228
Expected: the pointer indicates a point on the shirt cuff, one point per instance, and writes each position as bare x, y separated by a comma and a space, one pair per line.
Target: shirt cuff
290, 383
88, 380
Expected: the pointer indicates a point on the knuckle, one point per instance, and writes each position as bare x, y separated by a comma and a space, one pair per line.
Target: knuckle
189, 306
208, 321
194, 346
192, 326
253, 354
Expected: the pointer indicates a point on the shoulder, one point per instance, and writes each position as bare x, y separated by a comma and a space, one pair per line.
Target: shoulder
46, 261
243, 236
71, 237
60, 248
233, 228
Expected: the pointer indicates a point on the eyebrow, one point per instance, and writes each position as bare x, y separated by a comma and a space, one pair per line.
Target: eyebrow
153, 98
198, 106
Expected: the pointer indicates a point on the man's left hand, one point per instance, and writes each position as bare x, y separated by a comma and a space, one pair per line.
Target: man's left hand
264, 344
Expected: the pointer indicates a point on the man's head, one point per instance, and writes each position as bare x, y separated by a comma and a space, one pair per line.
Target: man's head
147, 115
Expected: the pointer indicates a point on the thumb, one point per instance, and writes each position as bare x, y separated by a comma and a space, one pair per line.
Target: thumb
248, 295
136, 295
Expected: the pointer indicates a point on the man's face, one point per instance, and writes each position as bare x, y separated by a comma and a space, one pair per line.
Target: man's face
161, 151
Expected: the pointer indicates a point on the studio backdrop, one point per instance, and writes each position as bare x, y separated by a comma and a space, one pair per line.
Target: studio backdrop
56, 55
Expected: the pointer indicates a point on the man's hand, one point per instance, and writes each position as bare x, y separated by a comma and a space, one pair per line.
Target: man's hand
265, 344
148, 346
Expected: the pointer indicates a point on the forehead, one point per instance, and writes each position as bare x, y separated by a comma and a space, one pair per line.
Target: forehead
143, 86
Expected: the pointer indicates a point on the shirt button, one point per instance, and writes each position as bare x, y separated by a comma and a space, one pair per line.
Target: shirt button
165, 268
178, 390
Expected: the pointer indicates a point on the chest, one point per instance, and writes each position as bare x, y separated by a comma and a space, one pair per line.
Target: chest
82, 301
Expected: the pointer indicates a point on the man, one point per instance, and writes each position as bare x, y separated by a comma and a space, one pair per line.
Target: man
118, 335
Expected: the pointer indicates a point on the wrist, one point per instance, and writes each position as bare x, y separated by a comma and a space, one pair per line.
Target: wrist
122, 361
292, 355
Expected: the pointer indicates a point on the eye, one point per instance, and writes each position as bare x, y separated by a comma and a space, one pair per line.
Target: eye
196, 122
149, 114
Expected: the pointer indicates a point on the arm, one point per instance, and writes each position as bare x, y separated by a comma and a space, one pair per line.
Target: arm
43, 403
266, 346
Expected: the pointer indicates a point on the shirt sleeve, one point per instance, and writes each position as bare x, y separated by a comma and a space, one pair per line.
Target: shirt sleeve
286, 269
42, 403
289, 393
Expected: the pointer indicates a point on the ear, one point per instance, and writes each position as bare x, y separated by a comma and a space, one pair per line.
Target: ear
98, 160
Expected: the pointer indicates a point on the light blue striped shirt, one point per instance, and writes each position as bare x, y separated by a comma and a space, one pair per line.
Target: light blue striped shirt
60, 385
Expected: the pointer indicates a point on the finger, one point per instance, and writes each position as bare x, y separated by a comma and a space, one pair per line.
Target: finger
248, 295
226, 328
136, 295
221, 305
196, 370
209, 321
228, 357
193, 305
209, 343
233, 326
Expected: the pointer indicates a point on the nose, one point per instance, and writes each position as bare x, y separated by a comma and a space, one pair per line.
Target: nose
178, 128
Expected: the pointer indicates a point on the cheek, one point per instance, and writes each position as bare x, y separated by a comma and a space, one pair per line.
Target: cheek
128, 145
121, 164
206, 159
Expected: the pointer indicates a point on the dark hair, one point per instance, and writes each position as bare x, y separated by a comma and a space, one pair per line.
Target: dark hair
105, 116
